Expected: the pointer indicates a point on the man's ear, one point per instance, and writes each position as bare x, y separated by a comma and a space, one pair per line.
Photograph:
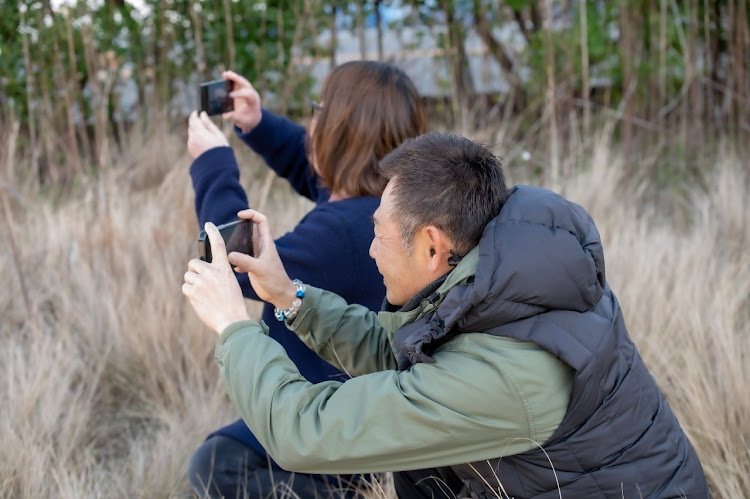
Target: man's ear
438, 245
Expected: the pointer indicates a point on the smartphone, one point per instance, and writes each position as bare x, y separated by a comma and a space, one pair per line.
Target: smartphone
215, 97
237, 235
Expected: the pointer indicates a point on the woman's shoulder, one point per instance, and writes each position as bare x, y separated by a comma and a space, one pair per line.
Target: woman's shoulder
350, 208
343, 223
346, 211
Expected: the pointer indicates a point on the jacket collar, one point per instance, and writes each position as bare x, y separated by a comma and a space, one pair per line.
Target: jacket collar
426, 301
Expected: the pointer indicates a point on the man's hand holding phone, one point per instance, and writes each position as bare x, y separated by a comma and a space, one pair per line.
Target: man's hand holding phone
237, 236
265, 270
213, 289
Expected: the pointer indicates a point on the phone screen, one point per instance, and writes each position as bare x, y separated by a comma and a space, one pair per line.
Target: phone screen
237, 235
215, 97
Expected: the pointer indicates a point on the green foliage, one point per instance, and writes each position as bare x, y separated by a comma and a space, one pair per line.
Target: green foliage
518, 4
12, 68
80, 55
157, 43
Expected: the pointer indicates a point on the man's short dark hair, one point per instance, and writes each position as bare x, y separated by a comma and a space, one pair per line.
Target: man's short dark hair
447, 181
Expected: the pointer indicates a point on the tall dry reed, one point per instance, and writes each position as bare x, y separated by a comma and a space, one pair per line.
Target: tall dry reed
108, 382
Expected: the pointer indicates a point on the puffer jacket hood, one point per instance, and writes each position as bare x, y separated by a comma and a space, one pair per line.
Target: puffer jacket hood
540, 253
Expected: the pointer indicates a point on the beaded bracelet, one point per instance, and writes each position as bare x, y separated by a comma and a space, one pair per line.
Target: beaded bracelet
291, 312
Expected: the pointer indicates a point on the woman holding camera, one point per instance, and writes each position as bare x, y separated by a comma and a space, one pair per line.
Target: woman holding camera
367, 109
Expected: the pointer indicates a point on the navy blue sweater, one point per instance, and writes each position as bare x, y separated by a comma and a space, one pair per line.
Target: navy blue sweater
328, 248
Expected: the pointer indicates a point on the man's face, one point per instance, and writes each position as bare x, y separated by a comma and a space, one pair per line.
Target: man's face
403, 273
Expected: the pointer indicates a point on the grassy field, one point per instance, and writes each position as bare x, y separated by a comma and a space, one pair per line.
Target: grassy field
108, 382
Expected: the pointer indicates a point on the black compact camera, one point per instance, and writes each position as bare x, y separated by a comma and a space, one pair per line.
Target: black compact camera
237, 235
215, 97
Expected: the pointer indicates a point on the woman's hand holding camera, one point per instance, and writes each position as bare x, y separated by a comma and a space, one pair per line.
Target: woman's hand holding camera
247, 111
203, 134
212, 288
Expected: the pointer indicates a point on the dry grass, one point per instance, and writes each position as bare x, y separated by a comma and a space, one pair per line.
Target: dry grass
108, 382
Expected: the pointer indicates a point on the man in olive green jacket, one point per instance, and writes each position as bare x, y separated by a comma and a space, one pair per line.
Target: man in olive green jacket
499, 336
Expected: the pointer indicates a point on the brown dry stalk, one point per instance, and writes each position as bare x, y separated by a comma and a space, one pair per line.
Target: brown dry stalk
29, 89
10, 229
230, 33
200, 53
586, 84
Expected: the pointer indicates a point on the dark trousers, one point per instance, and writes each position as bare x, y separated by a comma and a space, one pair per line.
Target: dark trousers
224, 467
436, 483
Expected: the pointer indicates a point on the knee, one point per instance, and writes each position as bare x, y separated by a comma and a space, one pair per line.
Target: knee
215, 466
201, 467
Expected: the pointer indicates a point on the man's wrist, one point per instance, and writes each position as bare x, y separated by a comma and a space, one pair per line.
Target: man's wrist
287, 307
285, 298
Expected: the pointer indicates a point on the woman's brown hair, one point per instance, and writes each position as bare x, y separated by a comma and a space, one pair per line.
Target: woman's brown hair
368, 109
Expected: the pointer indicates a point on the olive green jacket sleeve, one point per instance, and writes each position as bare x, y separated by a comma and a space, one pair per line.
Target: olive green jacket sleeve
478, 400
349, 337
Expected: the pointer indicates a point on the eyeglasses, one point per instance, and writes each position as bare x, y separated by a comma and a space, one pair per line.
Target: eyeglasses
315, 107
